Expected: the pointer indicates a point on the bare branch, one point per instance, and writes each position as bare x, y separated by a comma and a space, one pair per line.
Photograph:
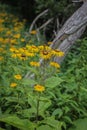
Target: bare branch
45, 24
33, 23
55, 33
38, 36
57, 24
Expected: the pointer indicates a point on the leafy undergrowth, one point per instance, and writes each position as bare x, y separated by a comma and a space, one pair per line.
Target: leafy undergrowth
34, 97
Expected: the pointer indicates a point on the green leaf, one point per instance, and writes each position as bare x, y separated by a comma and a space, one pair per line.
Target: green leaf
28, 82
84, 89
68, 119
51, 94
43, 106
33, 70
57, 125
53, 82
58, 112
32, 101
80, 124
44, 127
27, 113
66, 109
1, 128
15, 121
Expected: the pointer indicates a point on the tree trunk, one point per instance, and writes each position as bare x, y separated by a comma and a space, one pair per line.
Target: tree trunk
71, 31
68, 34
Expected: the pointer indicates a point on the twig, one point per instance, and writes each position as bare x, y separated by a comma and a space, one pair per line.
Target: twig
57, 24
37, 34
33, 23
77, 1
55, 34
45, 24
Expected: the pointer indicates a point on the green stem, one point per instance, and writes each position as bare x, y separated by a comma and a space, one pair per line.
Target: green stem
37, 113
37, 108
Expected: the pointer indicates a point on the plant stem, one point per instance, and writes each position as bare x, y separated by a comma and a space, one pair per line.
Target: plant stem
37, 108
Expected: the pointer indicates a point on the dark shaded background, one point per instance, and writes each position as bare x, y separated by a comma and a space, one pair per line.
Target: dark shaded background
24, 7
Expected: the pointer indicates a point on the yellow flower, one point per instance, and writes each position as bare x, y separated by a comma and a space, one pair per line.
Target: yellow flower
44, 48
21, 50
1, 39
6, 40
39, 88
1, 29
13, 41
45, 54
32, 48
61, 54
32, 63
1, 58
49, 43
33, 32
58, 53
29, 54
8, 32
22, 39
22, 56
55, 64
13, 49
18, 76
1, 20
16, 29
13, 85
41, 48
14, 55
17, 36
1, 49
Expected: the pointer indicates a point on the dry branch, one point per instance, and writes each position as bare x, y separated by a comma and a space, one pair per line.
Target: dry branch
45, 24
33, 23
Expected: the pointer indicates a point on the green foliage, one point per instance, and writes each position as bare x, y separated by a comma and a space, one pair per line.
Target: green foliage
53, 82
2, 129
42, 127
79, 124
17, 122
55, 6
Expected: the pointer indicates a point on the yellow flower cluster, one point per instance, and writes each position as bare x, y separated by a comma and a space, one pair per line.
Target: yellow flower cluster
13, 37
44, 52
10, 35
21, 53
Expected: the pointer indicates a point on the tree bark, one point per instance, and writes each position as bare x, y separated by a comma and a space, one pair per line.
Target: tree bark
71, 31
